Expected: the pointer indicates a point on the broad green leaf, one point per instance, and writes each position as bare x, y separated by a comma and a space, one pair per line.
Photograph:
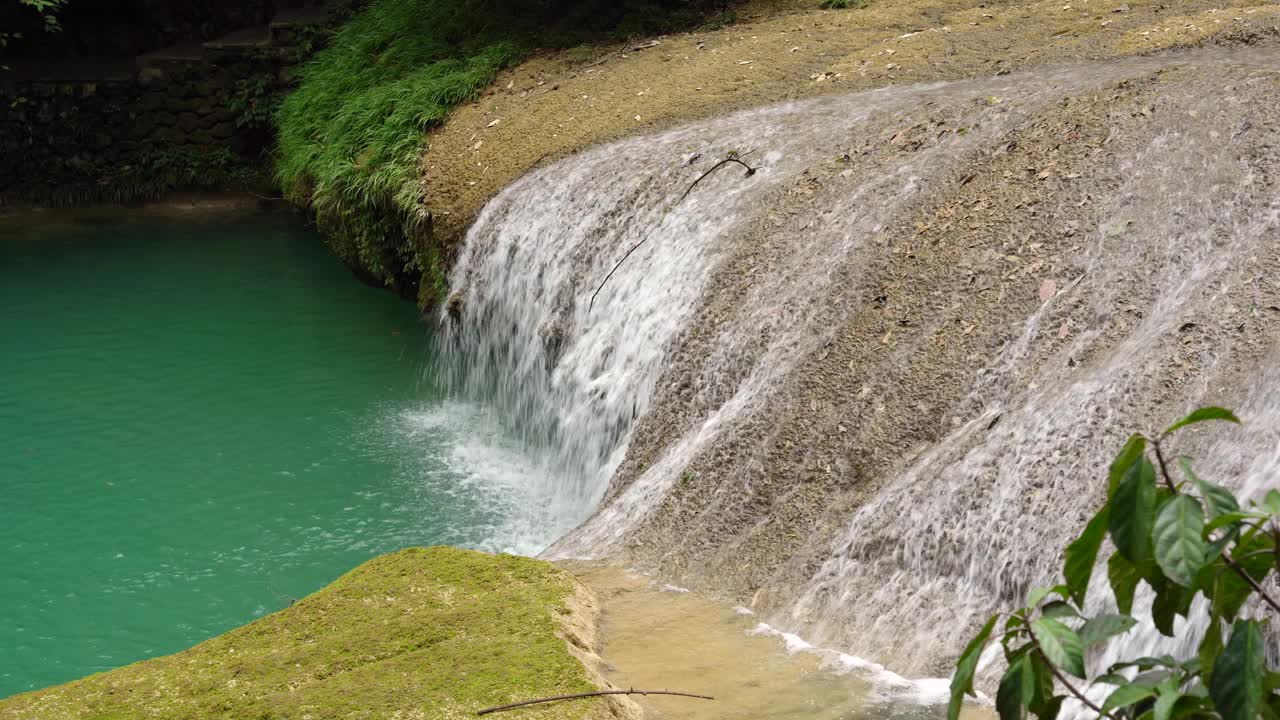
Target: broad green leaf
1145, 662
1180, 548
1082, 555
1231, 591
1218, 500
1128, 455
1050, 708
1102, 627
1153, 678
1191, 705
1133, 512
1233, 517
1124, 578
1037, 596
1016, 690
1166, 695
1272, 502
1202, 415
962, 681
1058, 609
1171, 600
1210, 647
1126, 695
1060, 644
1236, 683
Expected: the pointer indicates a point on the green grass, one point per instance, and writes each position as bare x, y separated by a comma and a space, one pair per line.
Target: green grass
423, 633
351, 134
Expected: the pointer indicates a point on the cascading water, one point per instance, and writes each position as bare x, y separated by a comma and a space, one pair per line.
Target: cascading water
733, 391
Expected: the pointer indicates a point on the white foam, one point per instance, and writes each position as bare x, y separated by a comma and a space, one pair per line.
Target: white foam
887, 686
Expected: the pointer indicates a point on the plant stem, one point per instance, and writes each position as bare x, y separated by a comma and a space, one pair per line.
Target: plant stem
1072, 688
1164, 469
1252, 583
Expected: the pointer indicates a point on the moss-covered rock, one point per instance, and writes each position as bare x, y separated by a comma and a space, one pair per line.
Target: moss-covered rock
421, 633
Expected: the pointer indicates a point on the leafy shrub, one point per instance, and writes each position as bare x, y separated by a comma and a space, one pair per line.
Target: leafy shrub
1182, 536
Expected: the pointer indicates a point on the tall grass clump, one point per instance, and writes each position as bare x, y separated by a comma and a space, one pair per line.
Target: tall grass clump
349, 136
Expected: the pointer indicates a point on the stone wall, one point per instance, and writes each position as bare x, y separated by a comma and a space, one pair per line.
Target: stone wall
86, 130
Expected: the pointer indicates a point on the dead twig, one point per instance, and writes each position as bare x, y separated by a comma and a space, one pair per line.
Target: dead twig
732, 158
597, 693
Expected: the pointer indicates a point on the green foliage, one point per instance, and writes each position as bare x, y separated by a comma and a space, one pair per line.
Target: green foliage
350, 135
48, 11
148, 176
255, 101
1183, 537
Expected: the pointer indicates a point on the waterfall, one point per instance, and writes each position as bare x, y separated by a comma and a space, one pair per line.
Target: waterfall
731, 409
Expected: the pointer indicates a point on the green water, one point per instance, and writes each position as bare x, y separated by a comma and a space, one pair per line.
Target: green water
201, 418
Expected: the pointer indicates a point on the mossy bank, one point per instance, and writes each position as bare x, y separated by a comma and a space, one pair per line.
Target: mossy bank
421, 633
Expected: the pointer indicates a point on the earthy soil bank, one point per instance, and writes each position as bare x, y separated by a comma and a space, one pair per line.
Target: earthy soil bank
558, 103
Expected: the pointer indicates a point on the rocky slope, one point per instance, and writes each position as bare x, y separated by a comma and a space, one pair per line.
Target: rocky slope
560, 103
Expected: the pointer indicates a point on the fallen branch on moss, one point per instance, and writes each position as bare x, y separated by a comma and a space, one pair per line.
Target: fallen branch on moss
732, 158
597, 693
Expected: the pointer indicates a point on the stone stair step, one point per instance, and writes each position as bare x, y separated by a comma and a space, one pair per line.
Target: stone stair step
243, 39
188, 53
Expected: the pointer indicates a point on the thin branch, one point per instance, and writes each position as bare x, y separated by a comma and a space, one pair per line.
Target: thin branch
597, 693
1072, 688
1164, 469
731, 159
1252, 583
600, 287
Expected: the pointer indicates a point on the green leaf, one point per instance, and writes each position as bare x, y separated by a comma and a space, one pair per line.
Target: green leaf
1167, 695
1058, 609
1133, 512
1146, 662
1060, 644
1180, 548
1210, 647
962, 681
1230, 590
1168, 604
1102, 627
1124, 578
1272, 502
1128, 455
1236, 683
1126, 695
1082, 555
1016, 690
1231, 518
1202, 415
1218, 500
1037, 595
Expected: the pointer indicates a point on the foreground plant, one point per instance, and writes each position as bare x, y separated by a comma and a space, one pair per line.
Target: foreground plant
1182, 536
